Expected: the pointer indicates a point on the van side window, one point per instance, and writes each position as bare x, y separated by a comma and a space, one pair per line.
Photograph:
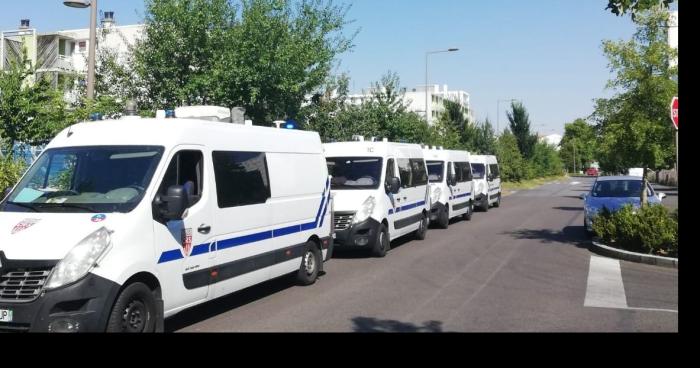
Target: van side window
390, 171
464, 172
420, 175
185, 169
405, 172
241, 178
494, 170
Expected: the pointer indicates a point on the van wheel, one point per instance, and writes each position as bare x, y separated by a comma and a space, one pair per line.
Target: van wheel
498, 201
422, 228
310, 261
486, 204
468, 215
134, 310
381, 243
444, 219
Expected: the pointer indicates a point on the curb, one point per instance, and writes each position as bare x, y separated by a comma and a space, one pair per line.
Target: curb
605, 250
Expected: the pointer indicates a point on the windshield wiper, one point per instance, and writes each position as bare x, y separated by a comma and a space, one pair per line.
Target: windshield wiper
24, 205
70, 205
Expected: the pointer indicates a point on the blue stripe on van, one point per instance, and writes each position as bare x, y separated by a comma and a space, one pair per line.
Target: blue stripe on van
406, 207
462, 195
175, 254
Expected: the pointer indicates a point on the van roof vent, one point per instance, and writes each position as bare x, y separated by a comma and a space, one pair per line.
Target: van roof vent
358, 138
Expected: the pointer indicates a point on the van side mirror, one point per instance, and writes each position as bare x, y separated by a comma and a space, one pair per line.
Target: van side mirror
582, 196
661, 195
452, 179
173, 205
393, 185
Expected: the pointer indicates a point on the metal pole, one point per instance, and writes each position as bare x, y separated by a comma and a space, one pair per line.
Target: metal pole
91, 53
676, 157
426, 88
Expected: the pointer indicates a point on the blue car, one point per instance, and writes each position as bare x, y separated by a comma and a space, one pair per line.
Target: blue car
614, 192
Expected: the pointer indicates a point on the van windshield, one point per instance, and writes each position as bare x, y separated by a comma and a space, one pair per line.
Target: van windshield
436, 170
478, 171
85, 179
354, 172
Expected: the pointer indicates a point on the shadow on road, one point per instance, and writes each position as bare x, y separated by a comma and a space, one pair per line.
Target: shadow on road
367, 324
574, 235
215, 307
349, 253
575, 197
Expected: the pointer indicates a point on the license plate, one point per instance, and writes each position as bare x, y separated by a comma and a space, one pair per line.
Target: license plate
5, 315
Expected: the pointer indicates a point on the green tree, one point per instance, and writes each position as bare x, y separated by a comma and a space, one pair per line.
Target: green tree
479, 138
511, 163
621, 7
32, 111
633, 124
520, 127
545, 160
579, 139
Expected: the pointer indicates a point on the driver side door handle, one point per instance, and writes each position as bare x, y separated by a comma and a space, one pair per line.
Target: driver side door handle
204, 229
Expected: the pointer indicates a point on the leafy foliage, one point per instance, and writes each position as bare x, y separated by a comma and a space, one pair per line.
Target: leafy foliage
581, 136
650, 229
621, 7
520, 127
511, 163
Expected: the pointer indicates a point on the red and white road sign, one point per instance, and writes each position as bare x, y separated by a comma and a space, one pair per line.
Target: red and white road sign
674, 112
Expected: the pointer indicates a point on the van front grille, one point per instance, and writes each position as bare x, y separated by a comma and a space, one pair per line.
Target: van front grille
342, 221
22, 285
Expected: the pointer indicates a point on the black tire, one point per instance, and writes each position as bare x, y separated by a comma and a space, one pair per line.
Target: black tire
422, 228
485, 207
444, 219
588, 233
381, 242
310, 263
498, 201
134, 310
468, 215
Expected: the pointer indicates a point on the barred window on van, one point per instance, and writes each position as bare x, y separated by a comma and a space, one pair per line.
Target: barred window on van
463, 172
494, 170
241, 178
420, 175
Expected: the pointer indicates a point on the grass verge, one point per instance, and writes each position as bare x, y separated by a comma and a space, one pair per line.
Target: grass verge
529, 184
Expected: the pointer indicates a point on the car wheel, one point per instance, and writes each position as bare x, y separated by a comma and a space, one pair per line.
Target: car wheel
310, 263
134, 310
444, 219
468, 215
485, 207
422, 228
381, 243
498, 201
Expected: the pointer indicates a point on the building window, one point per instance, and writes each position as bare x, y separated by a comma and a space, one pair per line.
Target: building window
82, 46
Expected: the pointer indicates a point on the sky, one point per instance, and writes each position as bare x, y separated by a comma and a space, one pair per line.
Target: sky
545, 53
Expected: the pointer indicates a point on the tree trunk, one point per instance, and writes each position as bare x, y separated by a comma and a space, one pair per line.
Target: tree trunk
643, 199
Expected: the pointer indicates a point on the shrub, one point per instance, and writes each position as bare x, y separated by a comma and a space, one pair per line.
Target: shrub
10, 172
650, 229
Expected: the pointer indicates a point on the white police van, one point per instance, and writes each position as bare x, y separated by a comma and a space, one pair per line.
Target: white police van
487, 181
451, 186
380, 192
119, 224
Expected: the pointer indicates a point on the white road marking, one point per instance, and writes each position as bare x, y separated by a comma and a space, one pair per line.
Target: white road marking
605, 287
575, 182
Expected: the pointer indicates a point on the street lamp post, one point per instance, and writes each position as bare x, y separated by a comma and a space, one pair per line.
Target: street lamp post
92, 4
426, 77
498, 112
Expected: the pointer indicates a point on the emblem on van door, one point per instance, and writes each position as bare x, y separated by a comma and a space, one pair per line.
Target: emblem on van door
186, 242
98, 218
24, 224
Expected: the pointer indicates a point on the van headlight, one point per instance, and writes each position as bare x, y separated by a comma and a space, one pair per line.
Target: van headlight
80, 260
365, 210
435, 195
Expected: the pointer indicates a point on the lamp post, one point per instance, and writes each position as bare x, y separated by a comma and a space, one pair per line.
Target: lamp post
426, 77
92, 4
498, 113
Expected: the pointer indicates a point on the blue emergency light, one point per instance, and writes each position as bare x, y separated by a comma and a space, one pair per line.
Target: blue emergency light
169, 113
95, 116
290, 124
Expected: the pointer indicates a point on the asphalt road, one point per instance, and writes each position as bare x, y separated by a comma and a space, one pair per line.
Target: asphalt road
522, 267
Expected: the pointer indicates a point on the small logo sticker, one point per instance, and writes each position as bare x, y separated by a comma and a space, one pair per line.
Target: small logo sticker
24, 224
99, 218
186, 242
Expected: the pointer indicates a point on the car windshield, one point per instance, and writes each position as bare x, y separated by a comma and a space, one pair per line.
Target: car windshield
617, 188
85, 179
478, 171
436, 170
354, 172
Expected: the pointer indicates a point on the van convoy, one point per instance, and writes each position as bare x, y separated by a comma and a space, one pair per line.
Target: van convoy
120, 224
380, 192
451, 187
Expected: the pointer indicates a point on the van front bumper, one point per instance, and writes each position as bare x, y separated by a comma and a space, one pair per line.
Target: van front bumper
360, 235
83, 306
436, 210
481, 200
